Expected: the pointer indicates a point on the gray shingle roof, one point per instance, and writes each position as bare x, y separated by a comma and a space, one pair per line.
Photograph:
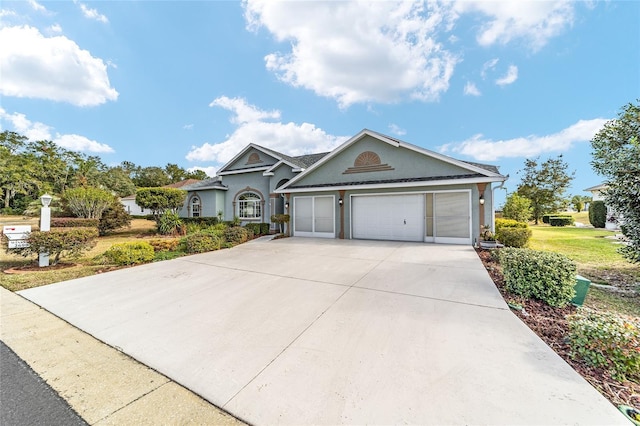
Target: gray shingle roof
205, 184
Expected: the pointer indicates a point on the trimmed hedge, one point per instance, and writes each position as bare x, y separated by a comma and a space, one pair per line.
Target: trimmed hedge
74, 222
200, 242
130, 253
512, 233
205, 221
258, 228
597, 214
604, 339
561, 220
236, 235
546, 276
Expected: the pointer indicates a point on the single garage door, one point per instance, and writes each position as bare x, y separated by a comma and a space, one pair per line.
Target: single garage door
388, 217
314, 216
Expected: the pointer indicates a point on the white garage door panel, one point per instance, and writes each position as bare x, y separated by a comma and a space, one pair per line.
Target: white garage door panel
388, 217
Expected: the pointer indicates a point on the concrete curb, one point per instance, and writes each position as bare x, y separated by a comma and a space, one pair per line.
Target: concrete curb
103, 385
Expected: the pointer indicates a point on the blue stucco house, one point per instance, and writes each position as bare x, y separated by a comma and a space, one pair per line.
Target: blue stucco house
372, 186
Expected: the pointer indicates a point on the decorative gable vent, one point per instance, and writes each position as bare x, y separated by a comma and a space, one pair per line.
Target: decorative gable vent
367, 161
254, 158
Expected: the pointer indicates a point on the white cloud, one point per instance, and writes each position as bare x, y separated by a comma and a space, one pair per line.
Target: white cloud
80, 143
54, 68
489, 65
92, 13
510, 77
243, 112
288, 138
37, 6
36, 131
471, 89
532, 20
397, 130
188, 127
21, 124
483, 149
55, 29
358, 52
210, 171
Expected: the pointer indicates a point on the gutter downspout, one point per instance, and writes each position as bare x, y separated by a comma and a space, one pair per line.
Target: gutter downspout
493, 205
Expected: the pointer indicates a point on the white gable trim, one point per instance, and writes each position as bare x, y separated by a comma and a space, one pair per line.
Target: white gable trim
244, 151
444, 182
294, 168
395, 143
235, 172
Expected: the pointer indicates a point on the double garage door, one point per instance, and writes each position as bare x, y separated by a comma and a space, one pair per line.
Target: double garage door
433, 217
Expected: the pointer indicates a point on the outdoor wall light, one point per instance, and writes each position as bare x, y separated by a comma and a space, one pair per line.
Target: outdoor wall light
482, 199
286, 205
340, 201
46, 200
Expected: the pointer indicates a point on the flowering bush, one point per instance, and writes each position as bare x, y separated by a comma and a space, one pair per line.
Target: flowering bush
604, 339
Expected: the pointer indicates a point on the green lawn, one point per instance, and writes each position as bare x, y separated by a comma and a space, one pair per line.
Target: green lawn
597, 259
84, 266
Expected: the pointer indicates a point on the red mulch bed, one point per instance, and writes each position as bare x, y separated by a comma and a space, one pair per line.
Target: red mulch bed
552, 327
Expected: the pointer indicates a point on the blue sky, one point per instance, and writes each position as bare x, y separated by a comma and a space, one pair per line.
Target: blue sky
193, 82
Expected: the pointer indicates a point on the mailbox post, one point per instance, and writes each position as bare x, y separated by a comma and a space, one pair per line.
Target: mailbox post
45, 226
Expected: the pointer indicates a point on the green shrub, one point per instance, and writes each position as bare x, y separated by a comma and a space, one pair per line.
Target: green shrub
73, 222
258, 228
236, 235
264, 228
130, 253
597, 214
546, 276
59, 243
254, 228
514, 237
164, 244
200, 242
604, 339
545, 217
204, 221
512, 233
510, 223
170, 224
561, 220
114, 217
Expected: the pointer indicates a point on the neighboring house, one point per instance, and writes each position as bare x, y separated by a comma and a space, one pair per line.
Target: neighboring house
614, 219
371, 187
129, 202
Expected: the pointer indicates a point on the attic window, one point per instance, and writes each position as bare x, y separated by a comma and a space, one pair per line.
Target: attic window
367, 161
254, 158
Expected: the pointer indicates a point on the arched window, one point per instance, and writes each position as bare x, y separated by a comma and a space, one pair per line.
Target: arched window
195, 206
249, 206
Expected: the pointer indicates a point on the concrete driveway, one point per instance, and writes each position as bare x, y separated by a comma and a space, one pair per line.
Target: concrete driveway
309, 331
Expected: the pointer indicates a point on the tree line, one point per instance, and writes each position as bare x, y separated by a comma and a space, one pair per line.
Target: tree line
29, 169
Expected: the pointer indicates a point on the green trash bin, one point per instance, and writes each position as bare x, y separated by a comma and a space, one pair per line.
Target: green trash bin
581, 287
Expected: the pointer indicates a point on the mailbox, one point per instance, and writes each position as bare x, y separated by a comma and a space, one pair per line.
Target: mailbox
17, 235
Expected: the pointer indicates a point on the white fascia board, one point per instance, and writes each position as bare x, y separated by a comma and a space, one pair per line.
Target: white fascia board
393, 185
236, 172
338, 150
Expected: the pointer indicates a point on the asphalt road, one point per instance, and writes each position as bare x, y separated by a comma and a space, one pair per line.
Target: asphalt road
25, 399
